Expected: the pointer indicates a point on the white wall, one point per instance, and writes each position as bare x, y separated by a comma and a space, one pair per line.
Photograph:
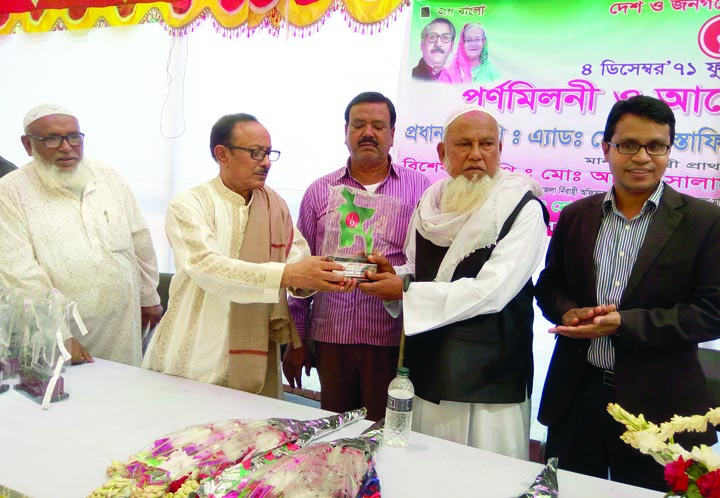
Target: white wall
147, 101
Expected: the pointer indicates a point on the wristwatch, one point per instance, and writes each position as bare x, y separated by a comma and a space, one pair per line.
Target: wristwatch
407, 279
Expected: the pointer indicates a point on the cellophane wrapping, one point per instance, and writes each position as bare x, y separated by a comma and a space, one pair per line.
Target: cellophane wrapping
341, 468
546, 483
175, 465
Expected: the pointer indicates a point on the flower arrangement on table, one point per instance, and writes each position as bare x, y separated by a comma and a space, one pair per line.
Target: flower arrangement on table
175, 465
341, 468
691, 474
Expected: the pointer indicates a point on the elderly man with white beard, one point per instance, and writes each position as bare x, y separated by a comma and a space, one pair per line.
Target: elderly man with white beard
473, 245
73, 224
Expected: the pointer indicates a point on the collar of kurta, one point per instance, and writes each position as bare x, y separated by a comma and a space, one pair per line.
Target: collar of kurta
345, 173
228, 194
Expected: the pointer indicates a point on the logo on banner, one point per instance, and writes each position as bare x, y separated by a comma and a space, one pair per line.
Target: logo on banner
709, 37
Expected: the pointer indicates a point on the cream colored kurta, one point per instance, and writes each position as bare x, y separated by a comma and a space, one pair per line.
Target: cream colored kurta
96, 250
206, 228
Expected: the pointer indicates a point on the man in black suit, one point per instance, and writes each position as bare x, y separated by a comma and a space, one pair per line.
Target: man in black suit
633, 282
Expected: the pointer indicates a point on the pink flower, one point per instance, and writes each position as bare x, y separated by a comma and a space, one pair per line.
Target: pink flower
709, 484
675, 474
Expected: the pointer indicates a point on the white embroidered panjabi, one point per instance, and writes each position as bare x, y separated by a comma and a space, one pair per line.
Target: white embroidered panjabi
96, 250
206, 228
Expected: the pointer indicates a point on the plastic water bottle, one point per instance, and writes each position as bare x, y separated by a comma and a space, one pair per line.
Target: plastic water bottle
398, 415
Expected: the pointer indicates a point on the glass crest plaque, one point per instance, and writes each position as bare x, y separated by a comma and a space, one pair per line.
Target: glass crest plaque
356, 224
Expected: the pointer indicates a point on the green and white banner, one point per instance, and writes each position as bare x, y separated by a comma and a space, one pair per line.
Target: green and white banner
550, 71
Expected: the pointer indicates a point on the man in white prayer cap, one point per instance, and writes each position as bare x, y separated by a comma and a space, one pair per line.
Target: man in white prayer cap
73, 224
473, 245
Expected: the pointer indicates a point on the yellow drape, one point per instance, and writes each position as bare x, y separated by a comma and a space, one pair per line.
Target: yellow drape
300, 14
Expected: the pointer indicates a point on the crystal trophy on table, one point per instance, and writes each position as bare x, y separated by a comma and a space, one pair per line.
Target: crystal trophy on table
5, 339
356, 224
12, 321
43, 353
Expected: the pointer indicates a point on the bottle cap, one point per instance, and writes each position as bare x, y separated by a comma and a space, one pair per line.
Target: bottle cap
403, 371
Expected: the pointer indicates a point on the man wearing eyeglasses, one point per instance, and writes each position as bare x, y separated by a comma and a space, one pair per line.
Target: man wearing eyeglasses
633, 283
436, 43
236, 250
73, 224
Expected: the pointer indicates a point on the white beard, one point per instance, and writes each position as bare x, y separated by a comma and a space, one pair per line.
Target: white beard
461, 195
54, 177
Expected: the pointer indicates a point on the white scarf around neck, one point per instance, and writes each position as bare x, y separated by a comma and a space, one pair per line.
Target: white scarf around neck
466, 232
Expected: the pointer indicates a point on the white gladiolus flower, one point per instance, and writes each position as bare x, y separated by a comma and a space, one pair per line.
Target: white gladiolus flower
652, 440
713, 416
696, 423
707, 456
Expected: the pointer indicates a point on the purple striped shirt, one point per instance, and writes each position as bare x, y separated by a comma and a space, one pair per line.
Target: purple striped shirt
353, 318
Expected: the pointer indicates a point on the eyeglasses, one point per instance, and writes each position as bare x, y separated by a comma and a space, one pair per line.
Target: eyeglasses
631, 148
433, 37
474, 40
55, 141
258, 154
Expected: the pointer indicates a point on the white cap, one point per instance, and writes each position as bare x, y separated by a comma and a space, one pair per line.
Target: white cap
461, 111
47, 109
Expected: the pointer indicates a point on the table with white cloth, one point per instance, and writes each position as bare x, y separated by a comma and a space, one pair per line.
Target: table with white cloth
115, 410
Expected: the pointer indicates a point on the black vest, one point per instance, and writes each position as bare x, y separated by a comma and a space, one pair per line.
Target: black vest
484, 359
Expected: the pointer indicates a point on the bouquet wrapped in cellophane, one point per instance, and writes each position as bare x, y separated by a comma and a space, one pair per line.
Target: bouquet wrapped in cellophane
546, 482
174, 465
343, 468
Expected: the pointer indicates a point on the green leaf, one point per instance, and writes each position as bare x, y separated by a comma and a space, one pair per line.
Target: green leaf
696, 470
693, 491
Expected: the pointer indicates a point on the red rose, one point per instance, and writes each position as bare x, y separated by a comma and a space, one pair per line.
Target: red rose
709, 484
675, 474
177, 484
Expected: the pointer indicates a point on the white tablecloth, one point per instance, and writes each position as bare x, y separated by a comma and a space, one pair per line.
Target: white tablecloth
115, 410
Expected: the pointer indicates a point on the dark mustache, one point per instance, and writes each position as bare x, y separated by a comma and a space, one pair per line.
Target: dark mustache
438, 49
367, 141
